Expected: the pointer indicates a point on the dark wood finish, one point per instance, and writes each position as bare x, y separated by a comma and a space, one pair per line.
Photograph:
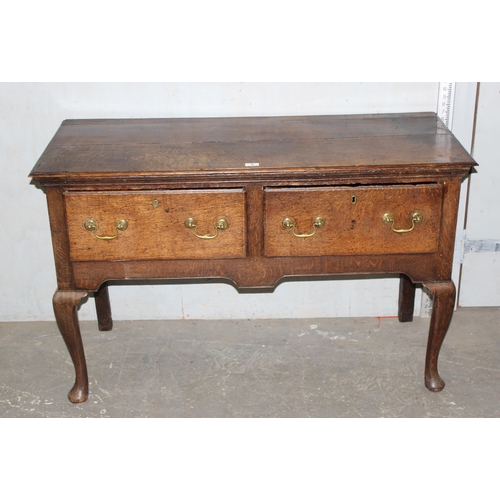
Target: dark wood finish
192, 146
103, 309
350, 170
60, 241
406, 303
65, 304
442, 311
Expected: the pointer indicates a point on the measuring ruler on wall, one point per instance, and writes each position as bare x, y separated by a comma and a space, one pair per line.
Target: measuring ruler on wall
446, 97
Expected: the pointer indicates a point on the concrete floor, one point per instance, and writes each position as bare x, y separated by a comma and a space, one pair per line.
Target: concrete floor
348, 367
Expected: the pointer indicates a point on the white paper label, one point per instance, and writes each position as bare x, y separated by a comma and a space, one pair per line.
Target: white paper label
251, 164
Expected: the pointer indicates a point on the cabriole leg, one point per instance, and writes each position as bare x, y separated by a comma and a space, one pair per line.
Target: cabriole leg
65, 303
442, 311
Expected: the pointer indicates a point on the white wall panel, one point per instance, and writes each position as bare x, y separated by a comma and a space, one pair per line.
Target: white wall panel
480, 284
30, 115
484, 201
480, 280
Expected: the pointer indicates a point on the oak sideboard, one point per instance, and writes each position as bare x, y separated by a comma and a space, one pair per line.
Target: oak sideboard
252, 200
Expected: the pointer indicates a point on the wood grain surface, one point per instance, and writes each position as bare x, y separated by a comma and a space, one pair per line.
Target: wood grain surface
156, 233
353, 218
209, 145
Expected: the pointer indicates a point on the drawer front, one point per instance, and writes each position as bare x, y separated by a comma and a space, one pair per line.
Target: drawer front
353, 221
152, 225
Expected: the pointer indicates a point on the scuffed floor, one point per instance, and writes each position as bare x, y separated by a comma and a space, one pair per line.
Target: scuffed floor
348, 367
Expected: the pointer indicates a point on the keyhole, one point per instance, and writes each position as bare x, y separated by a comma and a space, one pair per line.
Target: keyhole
353, 200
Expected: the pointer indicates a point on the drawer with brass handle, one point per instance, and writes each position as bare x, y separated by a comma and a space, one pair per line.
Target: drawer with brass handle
156, 225
360, 220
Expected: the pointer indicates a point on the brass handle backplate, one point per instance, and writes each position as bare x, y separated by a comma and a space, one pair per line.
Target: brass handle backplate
289, 223
91, 226
220, 225
416, 218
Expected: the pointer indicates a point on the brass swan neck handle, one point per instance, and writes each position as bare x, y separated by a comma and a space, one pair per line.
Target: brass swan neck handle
289, 223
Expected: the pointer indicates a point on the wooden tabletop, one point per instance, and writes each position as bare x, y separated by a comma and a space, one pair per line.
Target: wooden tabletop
218, 145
